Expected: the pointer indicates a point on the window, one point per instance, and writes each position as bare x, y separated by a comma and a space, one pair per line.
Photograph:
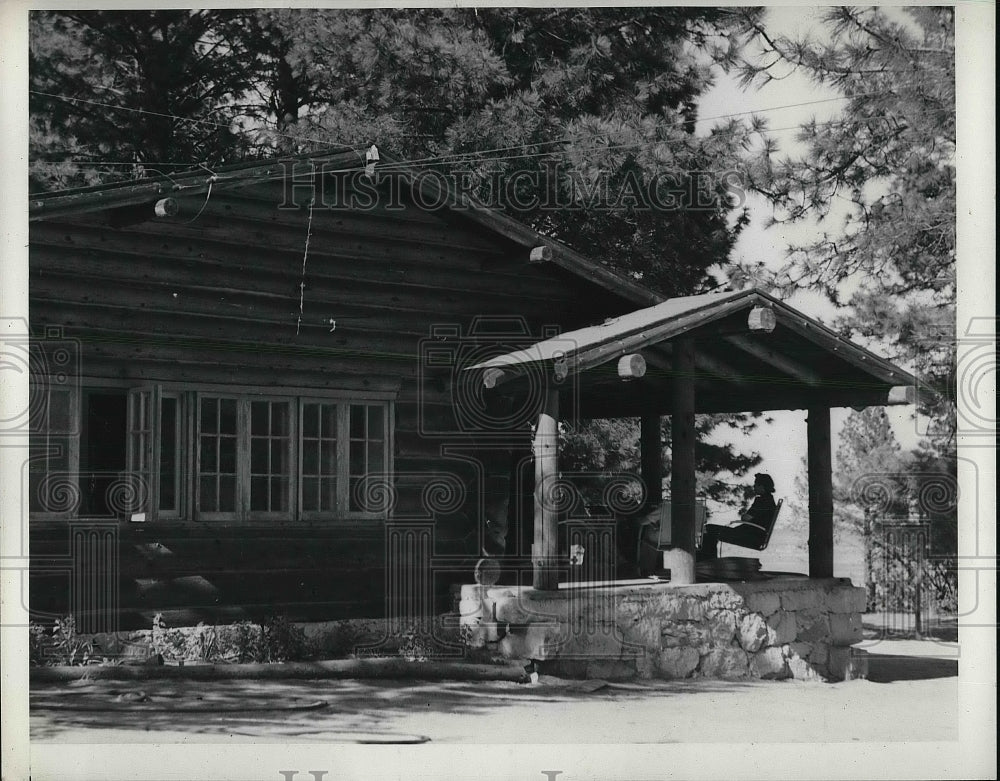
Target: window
342, 445
54, 453
215, 456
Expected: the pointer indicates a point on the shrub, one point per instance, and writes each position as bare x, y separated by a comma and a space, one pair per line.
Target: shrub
61, 646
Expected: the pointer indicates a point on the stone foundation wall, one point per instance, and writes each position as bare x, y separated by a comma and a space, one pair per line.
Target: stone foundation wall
779, 628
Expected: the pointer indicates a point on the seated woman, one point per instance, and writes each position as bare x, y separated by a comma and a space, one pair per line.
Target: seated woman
754, 524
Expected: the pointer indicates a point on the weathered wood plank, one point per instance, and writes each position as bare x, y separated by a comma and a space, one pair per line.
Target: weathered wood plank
232, 293
269, 271
820, 476
82, 318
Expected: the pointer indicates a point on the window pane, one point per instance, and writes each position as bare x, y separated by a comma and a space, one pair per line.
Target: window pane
310, 420
279, 419
168, 454
227, 416
227, 494
258, 417
208, 500
227, 455
375, 416
209, 416
329, 498
279, 456
330, 420
375, 455
355, 494
310, 494
329, 457
258, 456
258, 494
357, 421
357, 458
279, 494
209, 463
310, 457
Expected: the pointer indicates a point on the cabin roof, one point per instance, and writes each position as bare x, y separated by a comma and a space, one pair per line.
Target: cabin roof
202, 180
753, 352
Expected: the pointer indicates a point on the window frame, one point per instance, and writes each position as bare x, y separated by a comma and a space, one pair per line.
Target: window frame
343, 491
187, 397
45, 442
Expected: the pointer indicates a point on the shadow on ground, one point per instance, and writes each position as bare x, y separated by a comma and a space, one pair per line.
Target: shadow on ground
282, 709
887, 668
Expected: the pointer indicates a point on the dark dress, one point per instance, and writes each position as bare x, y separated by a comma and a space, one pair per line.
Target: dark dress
748, 534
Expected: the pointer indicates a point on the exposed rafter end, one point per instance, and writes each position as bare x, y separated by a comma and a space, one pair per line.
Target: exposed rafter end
492, 377
761, 319
902, 394
542, 254
631, 366
166, 207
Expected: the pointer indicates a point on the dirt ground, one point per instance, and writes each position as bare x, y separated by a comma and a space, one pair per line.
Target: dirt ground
911, 695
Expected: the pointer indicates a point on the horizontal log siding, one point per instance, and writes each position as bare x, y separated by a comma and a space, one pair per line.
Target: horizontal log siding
216, 301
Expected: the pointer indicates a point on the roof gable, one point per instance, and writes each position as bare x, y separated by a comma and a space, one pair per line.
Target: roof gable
789, 361
123, 195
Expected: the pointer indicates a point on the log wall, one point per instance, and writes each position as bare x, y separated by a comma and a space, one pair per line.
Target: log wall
214, 299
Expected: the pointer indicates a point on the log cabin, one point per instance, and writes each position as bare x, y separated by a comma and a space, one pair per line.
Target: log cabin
239, 376
278, 388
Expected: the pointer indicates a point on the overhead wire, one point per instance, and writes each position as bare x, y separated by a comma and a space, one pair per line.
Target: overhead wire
457, 157
419, 164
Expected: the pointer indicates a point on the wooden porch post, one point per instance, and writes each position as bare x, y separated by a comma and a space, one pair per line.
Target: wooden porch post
680, 558
545, 550
820, 493
651, 457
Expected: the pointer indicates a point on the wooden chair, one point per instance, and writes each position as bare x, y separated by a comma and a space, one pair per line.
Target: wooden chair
738, 567
767, 531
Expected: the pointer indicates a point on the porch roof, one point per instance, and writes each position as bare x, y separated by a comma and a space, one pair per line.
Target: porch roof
753, 353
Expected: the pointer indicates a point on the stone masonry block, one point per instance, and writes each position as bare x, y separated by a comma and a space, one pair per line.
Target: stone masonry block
769, 663
801, 649
725, 600
846, 599
845, 628
643, 632
813, 627
689, 609
721, 627
763, 602
645, 665
753, 632
846, 664
677, 662
819, 655
676, 634
724, 663
784, 627
799, 664
802, 599
600, 641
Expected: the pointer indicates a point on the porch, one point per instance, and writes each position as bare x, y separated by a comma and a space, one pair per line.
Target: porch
729, 352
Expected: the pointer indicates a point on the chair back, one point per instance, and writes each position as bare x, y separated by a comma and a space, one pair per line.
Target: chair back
774, 521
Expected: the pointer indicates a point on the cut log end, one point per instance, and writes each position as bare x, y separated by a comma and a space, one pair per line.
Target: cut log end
491, 377
541, 254
631, 366
166, 207
761, 319
903, 394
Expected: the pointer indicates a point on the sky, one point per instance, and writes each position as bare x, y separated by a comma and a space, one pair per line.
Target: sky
782, 444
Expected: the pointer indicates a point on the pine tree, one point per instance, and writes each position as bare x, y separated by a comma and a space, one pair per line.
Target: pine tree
890, 157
